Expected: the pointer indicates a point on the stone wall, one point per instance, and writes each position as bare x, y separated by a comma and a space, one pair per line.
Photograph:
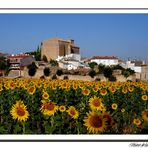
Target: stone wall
50, 49
39, 73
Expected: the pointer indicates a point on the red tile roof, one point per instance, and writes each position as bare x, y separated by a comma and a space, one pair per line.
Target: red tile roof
104, 57
17, 56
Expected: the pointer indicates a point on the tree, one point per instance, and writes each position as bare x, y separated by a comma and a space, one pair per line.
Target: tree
92, 73
125, 73
46, 71
65, 77
114, 67
53, 63
36, 53
45, 59
101, 68
3, 63
92, 64
59, 72
54, 77
107, 72
32, 69
130, 71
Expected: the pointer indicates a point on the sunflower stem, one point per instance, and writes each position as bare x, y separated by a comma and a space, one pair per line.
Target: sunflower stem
78, 127
52, 124
23, 127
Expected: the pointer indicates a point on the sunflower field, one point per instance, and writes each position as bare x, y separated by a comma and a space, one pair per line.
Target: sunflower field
36, 106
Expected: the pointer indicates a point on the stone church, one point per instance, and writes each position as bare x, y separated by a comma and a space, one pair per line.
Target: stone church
56, 48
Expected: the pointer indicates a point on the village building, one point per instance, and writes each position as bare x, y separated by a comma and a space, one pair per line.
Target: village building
140, 67
57, 48
105, 60
15, 60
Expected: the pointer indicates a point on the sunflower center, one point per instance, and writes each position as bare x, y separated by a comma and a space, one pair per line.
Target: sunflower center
20, 111
31, 89
72, 112
45, 95
95, 121
49, 106
96, 102
12, 84
62, 108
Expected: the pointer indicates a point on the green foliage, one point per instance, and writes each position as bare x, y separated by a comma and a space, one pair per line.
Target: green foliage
46, 71
65, 78
92, 73
130, 71
54, 77
107, 72
32, 69
125, 73
114, 67
59, 72
53, 63
92, 64
3, 63
63, 92
36, 54
45, 59
101, 68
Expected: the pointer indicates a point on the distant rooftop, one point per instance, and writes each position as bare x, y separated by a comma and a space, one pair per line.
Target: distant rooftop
18, 56
104, 57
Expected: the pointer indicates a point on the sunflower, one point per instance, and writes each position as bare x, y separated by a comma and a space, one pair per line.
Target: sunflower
95, 103
49, 108
1, 88
95, 89
11, 84
31, 90
54, 85
75, 86
64, 85
6, 86
130, 89
81, 85
122, 110
124, 90
19, 111
38, 84
103, 92
45, 95
137, 122
73, 112
112, 89
85, 92
145, 115
114, 106
62, 108
144, 97
95, 122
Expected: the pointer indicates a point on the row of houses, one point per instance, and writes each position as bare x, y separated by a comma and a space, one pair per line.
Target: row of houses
67, 54
18, 61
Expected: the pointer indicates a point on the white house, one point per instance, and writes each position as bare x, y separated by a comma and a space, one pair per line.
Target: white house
105, 60
70, 64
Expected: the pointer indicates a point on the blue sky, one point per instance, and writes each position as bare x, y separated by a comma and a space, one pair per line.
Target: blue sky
121, 35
